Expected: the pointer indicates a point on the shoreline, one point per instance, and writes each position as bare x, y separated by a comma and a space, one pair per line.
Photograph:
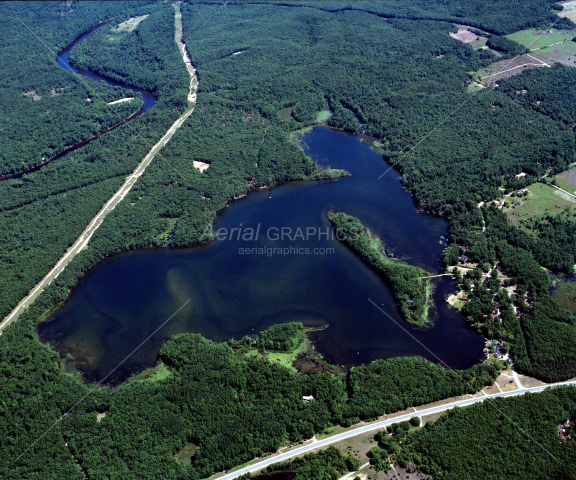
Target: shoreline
401, 278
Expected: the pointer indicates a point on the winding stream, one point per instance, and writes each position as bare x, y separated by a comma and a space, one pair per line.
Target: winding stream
62, 60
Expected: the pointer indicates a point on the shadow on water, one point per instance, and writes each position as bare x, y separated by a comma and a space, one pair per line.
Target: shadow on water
240, 286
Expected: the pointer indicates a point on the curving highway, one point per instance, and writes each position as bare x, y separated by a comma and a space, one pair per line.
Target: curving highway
280, 457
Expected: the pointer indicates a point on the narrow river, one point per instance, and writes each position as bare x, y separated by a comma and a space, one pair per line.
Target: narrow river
62, 60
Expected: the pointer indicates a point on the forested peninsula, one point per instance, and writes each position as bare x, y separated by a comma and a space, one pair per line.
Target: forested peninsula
389, 69
406, 282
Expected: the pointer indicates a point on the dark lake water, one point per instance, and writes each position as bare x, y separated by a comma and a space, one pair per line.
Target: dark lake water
125, 298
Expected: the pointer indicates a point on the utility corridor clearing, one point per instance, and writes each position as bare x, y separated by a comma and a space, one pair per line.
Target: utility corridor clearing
82, 241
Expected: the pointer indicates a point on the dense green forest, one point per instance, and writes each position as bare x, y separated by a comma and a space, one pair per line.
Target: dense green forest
405, 281
42, 213
284, 337
398, 76
323, 465
515, 438
512, 15
39, 97
228, 409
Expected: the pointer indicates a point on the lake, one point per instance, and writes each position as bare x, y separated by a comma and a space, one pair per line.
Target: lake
240, 285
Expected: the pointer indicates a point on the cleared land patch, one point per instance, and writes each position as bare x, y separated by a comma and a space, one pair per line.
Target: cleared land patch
201, 166
480, 42
567, 180
463, 35
286, 113
127, 99
569, 9
129, 25
33, 95
542, 200
510, 67
565, 196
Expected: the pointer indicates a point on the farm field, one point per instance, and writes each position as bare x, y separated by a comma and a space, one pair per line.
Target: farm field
530, 39
507, 68
542, 200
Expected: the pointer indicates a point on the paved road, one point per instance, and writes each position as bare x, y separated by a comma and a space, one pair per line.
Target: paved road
423, 411
82, 241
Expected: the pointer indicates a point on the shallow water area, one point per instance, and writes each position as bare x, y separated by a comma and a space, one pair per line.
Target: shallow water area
243, 283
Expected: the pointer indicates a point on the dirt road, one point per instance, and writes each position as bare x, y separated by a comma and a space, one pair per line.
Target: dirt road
82, 241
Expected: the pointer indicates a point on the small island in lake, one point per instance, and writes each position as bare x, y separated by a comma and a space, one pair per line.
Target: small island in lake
405, 281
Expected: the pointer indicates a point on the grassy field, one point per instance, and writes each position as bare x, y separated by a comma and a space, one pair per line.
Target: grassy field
541, 201
358, 446
154, 374
565, 294
285, 359
545, 44
568, 47
286, 113
478, 43
184, 456
322, 116
528, 39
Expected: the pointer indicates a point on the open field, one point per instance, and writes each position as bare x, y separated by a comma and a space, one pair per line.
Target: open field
465, 36
478, 43
536, 39
542, 200
569, 10
505, 381
286, 113
561, 55
568, 47
358, 446
510, 67
129, 25
567, 180
556, 46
